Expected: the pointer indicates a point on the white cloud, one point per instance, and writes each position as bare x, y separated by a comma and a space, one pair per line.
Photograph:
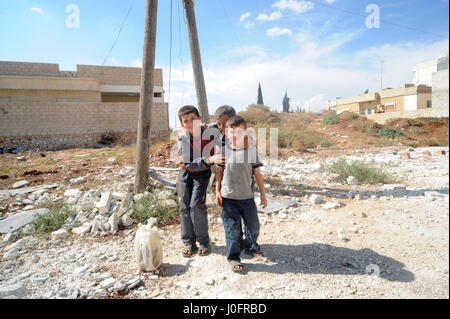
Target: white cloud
276, 32
294, 5
330, 1
250, 24
244, 16
316, 71
273, 16
37, 10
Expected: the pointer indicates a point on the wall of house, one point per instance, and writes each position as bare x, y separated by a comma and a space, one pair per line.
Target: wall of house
398, 100
382, 118
42, 121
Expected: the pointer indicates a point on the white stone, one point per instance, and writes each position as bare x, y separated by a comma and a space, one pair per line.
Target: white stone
82, 230
182, 284
77, 180
117, 195
60, 234
86, 202
315, 199
13, 290
351, 180
107, 283
104, 203
114, 221
72, 193
20, 184
126, 220
210, 281
331, 205
10, 255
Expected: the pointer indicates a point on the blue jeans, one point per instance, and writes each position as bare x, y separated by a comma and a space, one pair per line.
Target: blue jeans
232, 211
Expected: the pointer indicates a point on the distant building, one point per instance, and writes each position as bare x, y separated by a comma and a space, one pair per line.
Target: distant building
440, 99
43, 107
406, 98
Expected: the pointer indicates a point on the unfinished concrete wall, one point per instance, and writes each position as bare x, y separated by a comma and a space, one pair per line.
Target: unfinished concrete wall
41, 122
28, 69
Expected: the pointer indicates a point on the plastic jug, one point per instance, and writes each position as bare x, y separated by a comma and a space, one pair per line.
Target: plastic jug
148, 247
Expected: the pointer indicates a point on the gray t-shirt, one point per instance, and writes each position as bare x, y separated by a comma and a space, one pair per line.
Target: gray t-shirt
238, 181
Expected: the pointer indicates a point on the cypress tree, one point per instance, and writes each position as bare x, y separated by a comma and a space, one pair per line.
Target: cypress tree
286, 104
260, 97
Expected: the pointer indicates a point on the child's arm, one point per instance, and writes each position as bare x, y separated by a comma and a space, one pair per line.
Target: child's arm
219, 176
260, 181
197, 164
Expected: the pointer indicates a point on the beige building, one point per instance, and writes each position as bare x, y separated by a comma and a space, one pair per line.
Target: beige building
403, 99
40, 102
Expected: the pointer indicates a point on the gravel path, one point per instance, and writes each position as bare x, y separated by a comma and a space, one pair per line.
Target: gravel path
379, 242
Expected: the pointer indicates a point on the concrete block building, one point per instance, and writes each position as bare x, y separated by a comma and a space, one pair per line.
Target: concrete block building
43, 107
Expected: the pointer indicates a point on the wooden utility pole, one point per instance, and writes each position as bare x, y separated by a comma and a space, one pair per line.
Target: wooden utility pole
146, 98
196, 60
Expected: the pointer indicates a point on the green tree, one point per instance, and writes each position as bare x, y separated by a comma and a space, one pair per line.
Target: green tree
260, 97
286, 103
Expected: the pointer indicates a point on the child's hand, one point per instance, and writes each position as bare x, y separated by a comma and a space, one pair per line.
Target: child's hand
219, 199
217, 159
263, 201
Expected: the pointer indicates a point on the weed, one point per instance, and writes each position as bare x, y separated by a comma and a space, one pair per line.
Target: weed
59, 212
389, 132
364, 173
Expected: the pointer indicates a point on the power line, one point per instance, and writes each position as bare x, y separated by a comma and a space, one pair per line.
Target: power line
381, 20
118, 34
115, 41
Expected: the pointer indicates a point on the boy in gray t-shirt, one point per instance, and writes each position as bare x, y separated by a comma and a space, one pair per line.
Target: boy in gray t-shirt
235, 192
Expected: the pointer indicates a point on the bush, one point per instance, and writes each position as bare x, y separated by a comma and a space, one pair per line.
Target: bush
389, 132
414, 122
150, 206
59, 212
330, 118
257, 114
364, 173
303, 139
433, 120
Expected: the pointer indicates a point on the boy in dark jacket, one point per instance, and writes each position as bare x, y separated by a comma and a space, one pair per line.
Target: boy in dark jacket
196, 149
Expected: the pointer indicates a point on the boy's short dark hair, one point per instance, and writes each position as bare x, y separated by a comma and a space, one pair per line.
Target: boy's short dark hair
236, 121
225, 110
188, 109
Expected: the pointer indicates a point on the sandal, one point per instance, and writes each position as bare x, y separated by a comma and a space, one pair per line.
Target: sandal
234, 266
204, 250
189, 251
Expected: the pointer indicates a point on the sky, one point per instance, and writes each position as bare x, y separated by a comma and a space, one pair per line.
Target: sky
313, 50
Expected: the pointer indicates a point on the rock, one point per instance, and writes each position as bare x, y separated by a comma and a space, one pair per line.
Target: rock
114, 221
28, 230
315, 199
20, 184
126, 220
72, 193
60, 234
406, 156
341, 235
331, 205
17, 221
86, 202
13, 290
119, 286
104, 203
127, 200
440, 152
8, 237
10, 255
394, 187
169, 202
35, 259
111, 160
282, 215
133, 282
82, 230
210, 282
107, 283
182, 284
352, 180
426, 153
77, 180
364, 215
